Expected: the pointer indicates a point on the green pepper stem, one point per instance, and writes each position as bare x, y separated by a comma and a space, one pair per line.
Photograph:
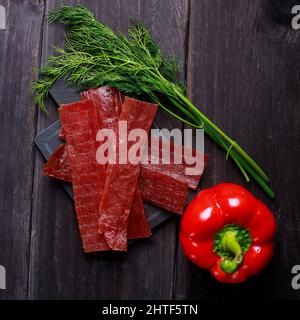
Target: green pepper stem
230, 243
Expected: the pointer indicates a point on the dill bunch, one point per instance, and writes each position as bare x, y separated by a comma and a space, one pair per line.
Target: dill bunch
94, 55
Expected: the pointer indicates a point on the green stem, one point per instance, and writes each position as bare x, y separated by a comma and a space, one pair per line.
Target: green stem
178, 117
252, 163
230, 243
257, 178
241, 163
185, 111
223, 146
156, 100
215, 138
211, 133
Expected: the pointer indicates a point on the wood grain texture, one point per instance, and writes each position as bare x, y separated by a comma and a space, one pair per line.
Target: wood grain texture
19, 54
58, 267
243, 71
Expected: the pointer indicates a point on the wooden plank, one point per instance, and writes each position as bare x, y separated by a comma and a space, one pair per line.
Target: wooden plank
59, 269
243, 70
19, 54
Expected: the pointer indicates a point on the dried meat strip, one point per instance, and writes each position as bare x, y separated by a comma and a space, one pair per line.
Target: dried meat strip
174, 170
154, 159
121, 179
108, 103
153, 185
138, 225
62, 135
165, 176
162, 190
58, 166
80, 123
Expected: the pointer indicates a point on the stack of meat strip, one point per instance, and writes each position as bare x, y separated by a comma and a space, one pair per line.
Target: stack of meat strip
109, 198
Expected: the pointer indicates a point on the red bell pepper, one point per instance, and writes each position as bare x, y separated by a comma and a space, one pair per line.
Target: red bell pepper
227, 230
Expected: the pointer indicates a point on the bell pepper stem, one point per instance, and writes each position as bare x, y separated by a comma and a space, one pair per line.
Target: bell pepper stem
230, 243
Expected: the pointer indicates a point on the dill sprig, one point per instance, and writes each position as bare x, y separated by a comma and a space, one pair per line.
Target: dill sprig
94, 55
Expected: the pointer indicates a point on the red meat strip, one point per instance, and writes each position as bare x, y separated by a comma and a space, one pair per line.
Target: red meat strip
58, 165
138, 225
163, 190
108, 103
62, 135
80, 123
156, 176
121, 179
154, 161
58, 168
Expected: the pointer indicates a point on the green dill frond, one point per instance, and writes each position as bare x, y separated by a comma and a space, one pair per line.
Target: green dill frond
72, 16
94, 55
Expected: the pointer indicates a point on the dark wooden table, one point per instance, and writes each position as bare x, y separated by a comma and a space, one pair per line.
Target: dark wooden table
241, 63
